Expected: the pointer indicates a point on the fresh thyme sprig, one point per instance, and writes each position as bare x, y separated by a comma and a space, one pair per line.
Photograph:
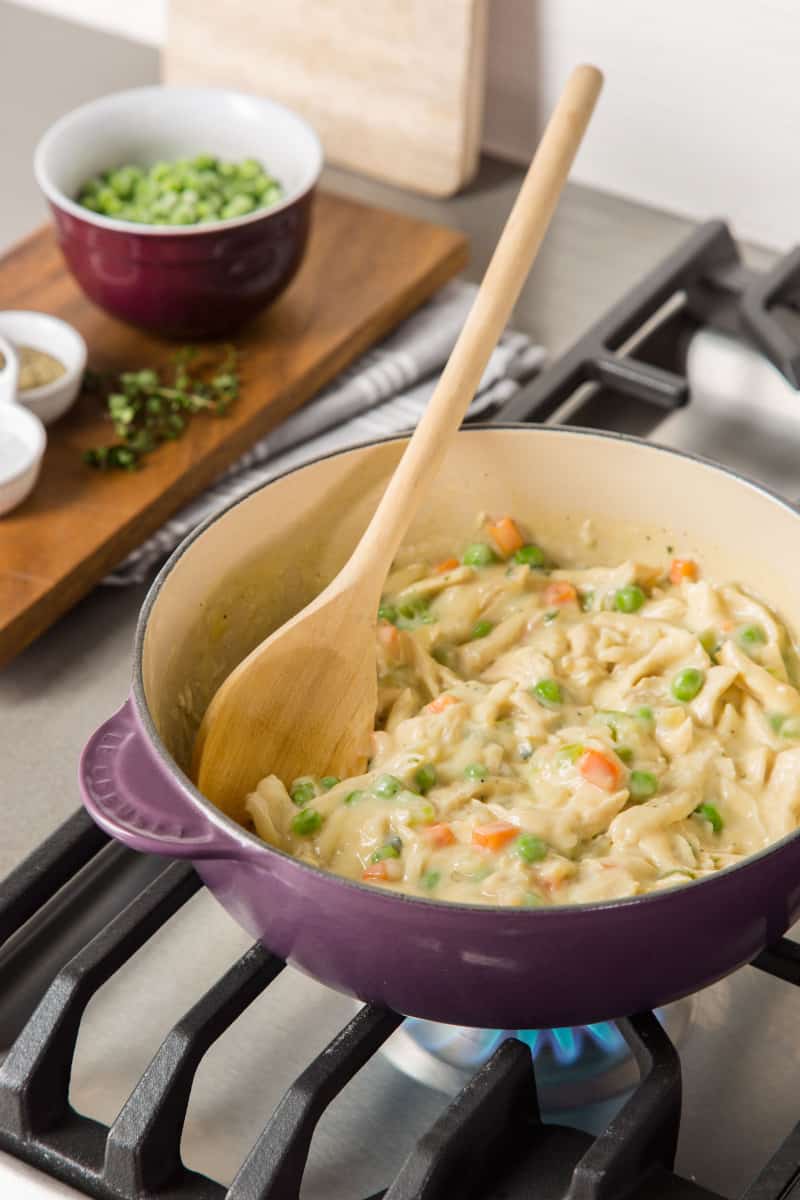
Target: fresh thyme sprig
147, 408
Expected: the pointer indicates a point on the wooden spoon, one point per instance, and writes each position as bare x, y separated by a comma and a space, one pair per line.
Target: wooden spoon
303, 702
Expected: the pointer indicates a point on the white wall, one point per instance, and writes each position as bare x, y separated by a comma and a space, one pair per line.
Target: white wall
141, 20
701, 108
700, 114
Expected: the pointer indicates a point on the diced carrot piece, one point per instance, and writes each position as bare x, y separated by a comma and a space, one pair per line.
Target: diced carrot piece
376, 870
682, 568
447, 564
560, 592
494, 835
440, 703
439, 835
600, 770
505, 535
388, 635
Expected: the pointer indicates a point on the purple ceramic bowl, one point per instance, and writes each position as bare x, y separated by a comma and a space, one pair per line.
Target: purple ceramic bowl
253, 566
180, 281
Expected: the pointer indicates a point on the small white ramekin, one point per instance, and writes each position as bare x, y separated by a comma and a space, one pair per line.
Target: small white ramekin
18, 423
56, 337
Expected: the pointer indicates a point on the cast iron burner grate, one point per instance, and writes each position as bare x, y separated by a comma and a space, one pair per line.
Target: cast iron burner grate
492, 1127
489, 1143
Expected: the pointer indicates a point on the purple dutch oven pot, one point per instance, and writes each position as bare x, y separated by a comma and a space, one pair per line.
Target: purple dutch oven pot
249, 568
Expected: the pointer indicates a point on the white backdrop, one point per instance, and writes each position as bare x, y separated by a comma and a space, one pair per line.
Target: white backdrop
701, 111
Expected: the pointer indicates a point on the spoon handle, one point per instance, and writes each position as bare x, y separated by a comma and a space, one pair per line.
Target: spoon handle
512, 259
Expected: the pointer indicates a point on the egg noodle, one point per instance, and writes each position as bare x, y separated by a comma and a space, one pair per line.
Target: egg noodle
550, 736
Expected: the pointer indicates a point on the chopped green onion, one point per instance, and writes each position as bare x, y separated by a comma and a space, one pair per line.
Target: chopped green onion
709, 813
532, 900
790, 727
710, 642
571, 753
430, 880
629, 599
642, 785
479, 554
412, 612
387, 612
531, 848
587, 601
477, 771
329, 781
387, 786
302, 791
610, 717
425, 777
548, 693
550, 615
390, 849
306, 822
481, 629
750, 635
530, 555
688, 683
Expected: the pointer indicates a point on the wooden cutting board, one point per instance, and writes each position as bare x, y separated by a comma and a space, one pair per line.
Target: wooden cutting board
365, 270
394, 87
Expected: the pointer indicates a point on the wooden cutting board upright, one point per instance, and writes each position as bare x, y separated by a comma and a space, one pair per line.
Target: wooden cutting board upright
394, 87
364, 271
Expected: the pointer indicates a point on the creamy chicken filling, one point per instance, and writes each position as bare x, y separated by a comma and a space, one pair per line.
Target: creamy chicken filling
549, 736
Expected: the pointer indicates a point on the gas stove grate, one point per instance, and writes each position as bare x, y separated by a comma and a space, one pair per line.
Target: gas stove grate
493, 1121
627, 360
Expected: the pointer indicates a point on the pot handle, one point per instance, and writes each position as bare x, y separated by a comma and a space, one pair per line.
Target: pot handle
128, 794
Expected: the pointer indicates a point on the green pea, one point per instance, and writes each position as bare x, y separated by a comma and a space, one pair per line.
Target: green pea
425, 777
430, 880
530, 555
329, 781
302, 791
387, 612
629, 599
625, 754
480, 629
750, 635
530, 848
709, 813
477, 771
790, 727
387, 786
353, 797
306, 823
642, 785
390, 849
645, 714
688, 683
548, 693
587, 601
479, 554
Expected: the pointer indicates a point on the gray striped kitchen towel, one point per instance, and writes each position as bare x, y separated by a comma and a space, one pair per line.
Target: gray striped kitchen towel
383, 392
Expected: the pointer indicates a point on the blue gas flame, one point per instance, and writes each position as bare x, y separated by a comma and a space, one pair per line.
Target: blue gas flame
470, 1048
